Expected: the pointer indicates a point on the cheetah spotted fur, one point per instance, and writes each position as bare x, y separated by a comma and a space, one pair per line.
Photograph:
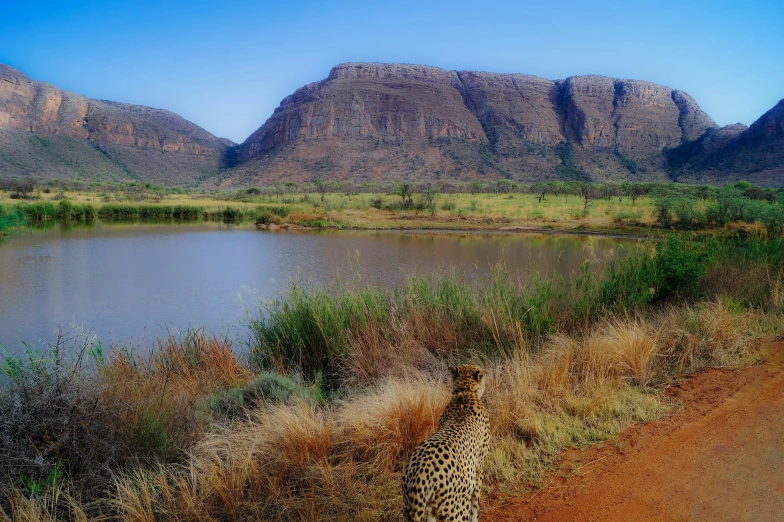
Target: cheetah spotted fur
443, 479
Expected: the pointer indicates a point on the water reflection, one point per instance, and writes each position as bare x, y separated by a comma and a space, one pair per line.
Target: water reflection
128, 282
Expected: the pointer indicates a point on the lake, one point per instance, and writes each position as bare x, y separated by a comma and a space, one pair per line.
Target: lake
130, 283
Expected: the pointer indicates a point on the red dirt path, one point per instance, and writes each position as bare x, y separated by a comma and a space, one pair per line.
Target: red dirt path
720, 458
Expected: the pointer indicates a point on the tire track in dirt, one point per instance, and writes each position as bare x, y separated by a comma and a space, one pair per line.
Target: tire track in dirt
720, 458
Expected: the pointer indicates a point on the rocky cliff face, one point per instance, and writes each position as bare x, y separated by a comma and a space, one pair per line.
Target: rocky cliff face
369, 101
370, 121
770, 125
517, 125
142, 142
736, 152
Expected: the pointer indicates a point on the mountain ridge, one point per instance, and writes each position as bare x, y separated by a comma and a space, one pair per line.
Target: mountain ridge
73, 133
382, 121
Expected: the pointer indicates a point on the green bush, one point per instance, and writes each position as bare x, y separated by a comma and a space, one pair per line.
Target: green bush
679, 267
266, 387
265, 217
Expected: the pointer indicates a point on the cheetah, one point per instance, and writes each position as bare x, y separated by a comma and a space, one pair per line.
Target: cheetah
443, 479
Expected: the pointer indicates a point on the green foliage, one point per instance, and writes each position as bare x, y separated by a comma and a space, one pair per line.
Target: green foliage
628, 164
11, 217
265, 216
679, 266
405, 190
627, 217
266, 387
310, 328
568, 169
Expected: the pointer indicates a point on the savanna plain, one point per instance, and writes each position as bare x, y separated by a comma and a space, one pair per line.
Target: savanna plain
315, 415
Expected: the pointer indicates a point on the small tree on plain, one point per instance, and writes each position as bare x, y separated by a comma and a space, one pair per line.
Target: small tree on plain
586, 193
405, 190
321, 187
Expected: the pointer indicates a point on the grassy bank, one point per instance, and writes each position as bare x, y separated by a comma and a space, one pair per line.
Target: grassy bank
340, 384
621, 208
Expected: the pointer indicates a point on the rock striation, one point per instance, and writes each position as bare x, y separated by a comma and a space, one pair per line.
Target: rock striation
141, 142
517, 125
375, 121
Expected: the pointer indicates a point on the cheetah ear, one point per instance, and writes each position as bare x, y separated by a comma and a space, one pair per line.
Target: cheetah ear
453, 371
479, 375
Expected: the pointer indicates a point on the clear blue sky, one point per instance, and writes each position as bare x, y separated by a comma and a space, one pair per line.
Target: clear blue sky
226, 65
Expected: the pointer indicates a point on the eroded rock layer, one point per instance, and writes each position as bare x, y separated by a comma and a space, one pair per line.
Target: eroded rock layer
48, 132
519, 125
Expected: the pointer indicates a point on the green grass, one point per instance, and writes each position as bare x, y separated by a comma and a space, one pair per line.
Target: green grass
11, 217
311, 328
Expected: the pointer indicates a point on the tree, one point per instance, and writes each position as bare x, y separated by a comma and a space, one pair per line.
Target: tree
321, 187
405, 190
636, 191
586, 193
430, 194
704, 192
540, 189
503, 186
23, 189
278, 188
476, 187
291, 186
570, 188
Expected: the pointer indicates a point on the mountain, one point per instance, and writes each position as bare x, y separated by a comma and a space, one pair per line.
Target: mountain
373, 121
735, 152
391, 121
50, 133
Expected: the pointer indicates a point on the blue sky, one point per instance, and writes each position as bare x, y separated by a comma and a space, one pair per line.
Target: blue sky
226, 65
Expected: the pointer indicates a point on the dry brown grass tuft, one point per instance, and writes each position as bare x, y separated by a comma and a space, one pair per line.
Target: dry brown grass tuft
385, 426
55, 505
155, 394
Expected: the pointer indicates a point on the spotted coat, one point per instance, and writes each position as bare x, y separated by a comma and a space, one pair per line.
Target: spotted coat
443, 479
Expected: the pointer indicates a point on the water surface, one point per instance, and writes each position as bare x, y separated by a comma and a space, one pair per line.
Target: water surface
129, 283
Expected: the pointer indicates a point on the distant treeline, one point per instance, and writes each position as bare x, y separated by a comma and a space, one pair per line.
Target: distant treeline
698, 207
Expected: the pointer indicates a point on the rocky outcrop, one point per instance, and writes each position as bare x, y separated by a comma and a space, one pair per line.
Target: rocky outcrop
369, 101
736, 152
770, 125
118, 129
517, 124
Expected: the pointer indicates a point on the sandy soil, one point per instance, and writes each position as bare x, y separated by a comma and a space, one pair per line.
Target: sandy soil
719, 458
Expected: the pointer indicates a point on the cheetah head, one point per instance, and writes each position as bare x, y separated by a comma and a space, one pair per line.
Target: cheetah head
468, 378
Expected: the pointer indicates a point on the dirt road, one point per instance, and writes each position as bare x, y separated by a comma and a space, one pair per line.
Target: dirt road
720, 458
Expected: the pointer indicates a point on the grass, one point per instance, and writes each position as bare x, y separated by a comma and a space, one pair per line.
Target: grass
452, 211
658, 207
341, 383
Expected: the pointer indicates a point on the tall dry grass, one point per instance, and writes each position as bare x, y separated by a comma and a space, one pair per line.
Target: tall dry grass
344, 461
155, 394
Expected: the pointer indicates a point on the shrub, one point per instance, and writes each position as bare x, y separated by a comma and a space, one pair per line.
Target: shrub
53, 421
680, 266
266, 387
265, 217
